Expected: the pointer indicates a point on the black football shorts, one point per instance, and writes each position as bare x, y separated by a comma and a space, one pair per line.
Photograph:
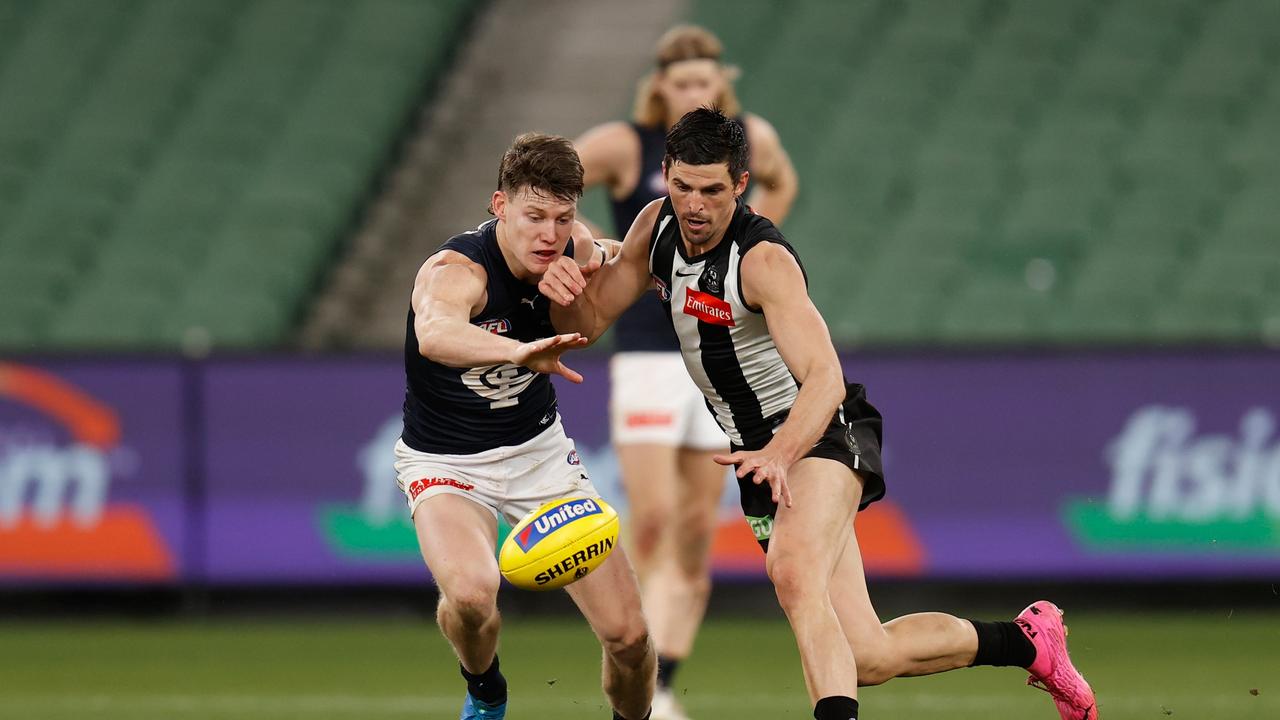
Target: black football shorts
853, 437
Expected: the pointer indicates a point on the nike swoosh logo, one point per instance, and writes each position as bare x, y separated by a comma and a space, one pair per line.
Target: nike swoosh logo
690, 274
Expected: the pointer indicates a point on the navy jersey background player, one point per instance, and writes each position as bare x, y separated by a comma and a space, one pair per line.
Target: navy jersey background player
661, 431
482, 437
759, 350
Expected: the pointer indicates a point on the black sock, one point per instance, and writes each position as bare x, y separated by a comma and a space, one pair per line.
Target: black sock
616, 716
666, 670
1003, 644
836, 707
489, 687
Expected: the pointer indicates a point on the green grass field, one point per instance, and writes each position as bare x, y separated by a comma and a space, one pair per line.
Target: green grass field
1201, 666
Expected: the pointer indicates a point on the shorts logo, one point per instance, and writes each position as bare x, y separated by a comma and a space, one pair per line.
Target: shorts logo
761, 527
573, 458
554, 519
649, 419
708, 308
664, 292
417, 487
497, 327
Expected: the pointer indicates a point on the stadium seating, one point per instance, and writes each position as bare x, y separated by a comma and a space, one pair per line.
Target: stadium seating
183, 170
1029, 171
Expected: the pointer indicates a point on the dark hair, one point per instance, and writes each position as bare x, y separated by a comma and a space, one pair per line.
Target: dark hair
545, 163
707, 136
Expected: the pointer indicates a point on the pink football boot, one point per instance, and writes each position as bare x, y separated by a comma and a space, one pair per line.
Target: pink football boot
1052, 671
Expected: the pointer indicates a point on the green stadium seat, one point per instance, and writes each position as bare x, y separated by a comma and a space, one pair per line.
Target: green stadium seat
229, 320
1172, 213
1047, 212
1229, 276
1252, 211
1109, 144
1194, 321
1048, 18
1092, 320
978, 314
1125, 275
877, 319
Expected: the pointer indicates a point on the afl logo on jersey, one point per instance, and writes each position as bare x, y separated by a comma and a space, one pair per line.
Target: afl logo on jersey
497, 327
664, 292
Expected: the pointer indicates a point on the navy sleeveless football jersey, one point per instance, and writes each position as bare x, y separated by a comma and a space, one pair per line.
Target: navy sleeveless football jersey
461, 411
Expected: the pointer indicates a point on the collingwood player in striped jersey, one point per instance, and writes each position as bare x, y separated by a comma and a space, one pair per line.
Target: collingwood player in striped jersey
806, 443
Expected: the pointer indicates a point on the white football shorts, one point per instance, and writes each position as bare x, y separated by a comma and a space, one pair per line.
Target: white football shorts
653, 400
510, 481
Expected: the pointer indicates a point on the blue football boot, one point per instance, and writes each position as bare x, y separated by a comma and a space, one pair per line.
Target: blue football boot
473, 709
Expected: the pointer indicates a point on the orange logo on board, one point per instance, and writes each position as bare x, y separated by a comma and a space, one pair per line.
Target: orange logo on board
55, 518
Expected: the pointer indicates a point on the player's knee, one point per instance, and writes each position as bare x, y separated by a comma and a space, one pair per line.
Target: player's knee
473, 601
694, 550
647, 528
628, 643
794, 582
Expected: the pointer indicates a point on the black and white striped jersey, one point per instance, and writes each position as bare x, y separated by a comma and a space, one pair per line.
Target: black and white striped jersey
726, 344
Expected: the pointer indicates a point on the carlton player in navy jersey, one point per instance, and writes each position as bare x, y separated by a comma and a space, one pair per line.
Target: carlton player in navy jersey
482, 437
661, 431
805, 442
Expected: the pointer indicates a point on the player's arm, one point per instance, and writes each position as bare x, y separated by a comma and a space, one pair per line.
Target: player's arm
447, 292
606, 151
776, 183
590, 250
589, 302
772, 280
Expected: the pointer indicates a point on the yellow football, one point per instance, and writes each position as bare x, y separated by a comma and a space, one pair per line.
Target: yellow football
559, 543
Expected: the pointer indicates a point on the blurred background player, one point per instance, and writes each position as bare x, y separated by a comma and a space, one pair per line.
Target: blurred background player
482, 436
662, 432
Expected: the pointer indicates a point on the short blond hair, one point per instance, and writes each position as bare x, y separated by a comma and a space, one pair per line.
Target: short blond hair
680, 43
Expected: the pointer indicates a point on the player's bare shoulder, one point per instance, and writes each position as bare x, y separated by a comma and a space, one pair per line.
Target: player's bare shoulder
760, 132
451, 273
613, 141
608, 153
642, 227
769, 270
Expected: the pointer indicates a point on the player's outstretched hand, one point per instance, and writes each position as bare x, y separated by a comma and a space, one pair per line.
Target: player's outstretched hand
565, 280
544, 355
767, 468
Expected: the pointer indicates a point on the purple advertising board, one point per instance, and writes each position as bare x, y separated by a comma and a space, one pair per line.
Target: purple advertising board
1120, 467
279, 470
92, 473
300, 486
1067, 466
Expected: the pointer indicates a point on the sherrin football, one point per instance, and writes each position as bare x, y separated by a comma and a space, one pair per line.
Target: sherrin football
559, 543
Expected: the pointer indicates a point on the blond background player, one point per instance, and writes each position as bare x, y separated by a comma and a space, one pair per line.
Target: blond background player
662, 433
